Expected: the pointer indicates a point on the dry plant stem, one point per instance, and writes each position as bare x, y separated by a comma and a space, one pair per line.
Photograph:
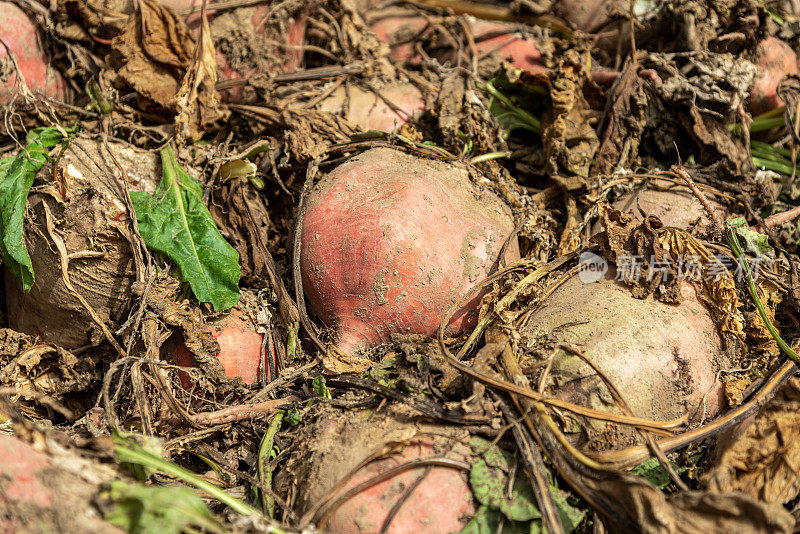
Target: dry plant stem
377, 479
632, 456
62, 251
779, 219
242, 412
12, 391
162, 384
418, 403
537, 471
140, 398
525, 406
316, 73
713, 215
311, 172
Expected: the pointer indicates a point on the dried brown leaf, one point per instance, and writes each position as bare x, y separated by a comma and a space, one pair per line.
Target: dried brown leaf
763, 461
198, 103
626, 121
152, 53
569, 137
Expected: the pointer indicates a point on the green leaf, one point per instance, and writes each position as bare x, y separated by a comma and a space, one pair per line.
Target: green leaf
175, 222
487, 520
489, 485
16, 178
755, 242
167, 510
509, 115
320, 388
654, 473
127, 451
488, 478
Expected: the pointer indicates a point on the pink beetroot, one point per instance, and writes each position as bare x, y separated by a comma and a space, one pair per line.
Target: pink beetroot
391, 241
520, 50
664, 358
240, 348
398, 28
774, 59
21, 36
365, 110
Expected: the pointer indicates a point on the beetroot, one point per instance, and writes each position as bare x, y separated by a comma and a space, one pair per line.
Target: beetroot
676, 206
38, 494
90, 216
663, 358
21, 36
367, 111
391, 241
240, 348
397, 27
521, 51
335, 445
774, 59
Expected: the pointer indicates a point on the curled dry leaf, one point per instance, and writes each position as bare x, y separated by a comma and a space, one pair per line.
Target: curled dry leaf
569, 136
157, 56
198, 103
763, 461
152, 53
626, 122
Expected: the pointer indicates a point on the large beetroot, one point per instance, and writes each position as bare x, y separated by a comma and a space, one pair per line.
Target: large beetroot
21, 36
85, 208
391, 241
329, 460
664, 358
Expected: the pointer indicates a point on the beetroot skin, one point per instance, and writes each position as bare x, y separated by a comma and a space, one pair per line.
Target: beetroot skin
774, 59
395, 27
664, 358
21, 36
390, 242
366, 111
240, 349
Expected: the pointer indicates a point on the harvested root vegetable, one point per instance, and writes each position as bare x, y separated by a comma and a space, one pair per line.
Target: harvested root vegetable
676, 206
398, 27
397, 104
338, 443
43, 495
391, 241
240, 349
21, 36
774, 59
248, 46
663, 358
500, 39
86, 211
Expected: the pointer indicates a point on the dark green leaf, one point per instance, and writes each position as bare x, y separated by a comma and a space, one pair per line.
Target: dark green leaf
652, 470
167, 510
16, 177
175, 222
320, 388
486, 521
488, 478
